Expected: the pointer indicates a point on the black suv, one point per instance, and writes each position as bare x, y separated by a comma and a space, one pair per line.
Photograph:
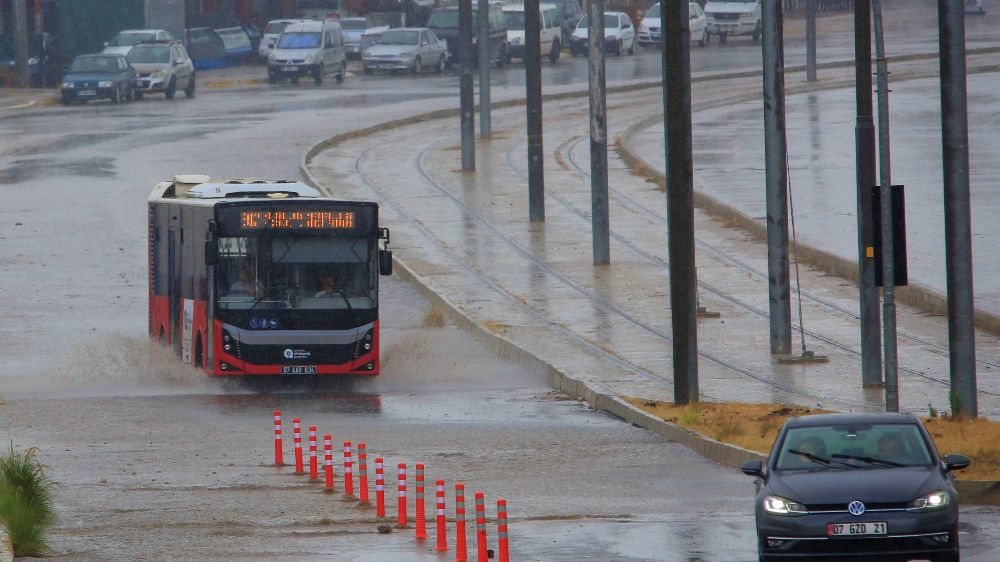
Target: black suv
444, 22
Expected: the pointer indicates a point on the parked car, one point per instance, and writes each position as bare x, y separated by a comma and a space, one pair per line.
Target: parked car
162, 67
38, 60
864, 485
271, 32
619, 35
444, 23
649, 28
308, 48
550, 33
237, 43
100, 76
206, 48
123, 41
408, 48
372, 34
354, 29
733, 17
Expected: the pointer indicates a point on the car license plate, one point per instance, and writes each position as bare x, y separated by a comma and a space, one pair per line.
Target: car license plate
88, 92
291, 69
299, 370
868, 528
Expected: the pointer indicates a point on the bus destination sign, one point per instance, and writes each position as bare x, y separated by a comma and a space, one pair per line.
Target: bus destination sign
295, 220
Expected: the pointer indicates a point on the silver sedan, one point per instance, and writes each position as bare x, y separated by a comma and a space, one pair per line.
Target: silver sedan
407, 48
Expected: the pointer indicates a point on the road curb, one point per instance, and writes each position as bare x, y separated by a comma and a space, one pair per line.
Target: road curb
222, 84
972, 492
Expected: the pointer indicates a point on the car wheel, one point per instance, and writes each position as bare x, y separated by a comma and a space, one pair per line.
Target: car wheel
271, 78
631, 49
554, 53
67, 101
417, 66
722, 37
343, 73
318, 75
708, 37
755, 36
171, 90
704, 39
621, 48
504, 59
440, 65
189, 91
138, 95
116, 96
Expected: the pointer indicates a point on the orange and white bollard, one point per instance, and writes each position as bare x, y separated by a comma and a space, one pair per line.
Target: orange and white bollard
482, 554
442, 523
461, 552
297, 434
502, 530
379, 488
279, 453
362, 474
328, 461
401, 502
313, 460
420, 516
348, 474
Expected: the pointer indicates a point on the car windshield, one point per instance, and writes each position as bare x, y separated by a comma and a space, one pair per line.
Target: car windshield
610, 21
281, 273
275, 27
399, 37
94, 64
853, 446
299, 40
515, 20
158, 54
354, 24
653, 12
129, 39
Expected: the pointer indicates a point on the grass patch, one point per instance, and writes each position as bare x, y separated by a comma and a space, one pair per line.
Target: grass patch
26, 501
755, 426
434, 318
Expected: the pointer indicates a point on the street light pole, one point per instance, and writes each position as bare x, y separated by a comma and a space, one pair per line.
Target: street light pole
485, 127
957, 215
533, 104
811, 40
20, 45
466, 94
598, 134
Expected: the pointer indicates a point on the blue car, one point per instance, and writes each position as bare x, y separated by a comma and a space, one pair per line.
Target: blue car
100, 76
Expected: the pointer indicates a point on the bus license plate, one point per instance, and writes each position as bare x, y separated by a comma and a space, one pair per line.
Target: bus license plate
299, 370
868, 528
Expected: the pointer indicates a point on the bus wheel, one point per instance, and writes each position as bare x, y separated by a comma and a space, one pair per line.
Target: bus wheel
199, 361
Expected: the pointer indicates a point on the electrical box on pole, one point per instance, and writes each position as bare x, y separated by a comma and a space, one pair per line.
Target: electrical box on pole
899, 273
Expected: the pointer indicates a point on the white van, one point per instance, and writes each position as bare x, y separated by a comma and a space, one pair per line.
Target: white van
308, 48
551, 30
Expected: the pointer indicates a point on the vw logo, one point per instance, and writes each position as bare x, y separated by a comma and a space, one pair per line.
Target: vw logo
289, 355
856, 508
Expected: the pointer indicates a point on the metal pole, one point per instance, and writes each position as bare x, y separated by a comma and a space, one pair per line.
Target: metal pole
885, 197
598, 134
811, 40
864, 137
957, 217
680, 198
533, 104
467, 102
485, 127
20, 45
776, 179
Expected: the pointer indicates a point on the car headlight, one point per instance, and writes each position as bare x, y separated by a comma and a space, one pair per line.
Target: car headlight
366, 55
68, 85
33, 61
777, 505
310, 58
159, 74
104, 84
930, 502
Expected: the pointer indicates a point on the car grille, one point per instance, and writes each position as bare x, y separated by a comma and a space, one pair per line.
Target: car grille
726, 17
289, 61
654, 29
858, 546
842, 507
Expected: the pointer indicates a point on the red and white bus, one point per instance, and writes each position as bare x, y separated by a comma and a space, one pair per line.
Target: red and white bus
260, 277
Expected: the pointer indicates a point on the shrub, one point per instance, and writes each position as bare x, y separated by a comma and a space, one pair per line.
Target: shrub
26, 501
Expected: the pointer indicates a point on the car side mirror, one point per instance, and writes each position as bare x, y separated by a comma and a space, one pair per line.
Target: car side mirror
385, 262
753, 468
956, 462
211, 252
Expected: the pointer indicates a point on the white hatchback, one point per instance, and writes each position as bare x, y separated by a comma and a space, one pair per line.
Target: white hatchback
649, 29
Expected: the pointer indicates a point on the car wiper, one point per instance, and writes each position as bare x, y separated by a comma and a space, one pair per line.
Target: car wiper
869, 460
815, 458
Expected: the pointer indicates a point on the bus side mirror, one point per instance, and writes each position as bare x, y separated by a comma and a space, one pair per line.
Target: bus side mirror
385, 262
211, 252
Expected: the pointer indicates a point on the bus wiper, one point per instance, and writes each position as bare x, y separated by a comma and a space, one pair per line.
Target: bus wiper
869, 460
814, 458
350, 309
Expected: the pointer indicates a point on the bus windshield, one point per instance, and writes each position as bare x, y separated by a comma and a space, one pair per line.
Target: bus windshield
305, 273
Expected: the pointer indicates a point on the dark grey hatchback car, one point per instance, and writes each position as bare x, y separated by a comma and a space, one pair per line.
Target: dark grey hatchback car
856, 486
